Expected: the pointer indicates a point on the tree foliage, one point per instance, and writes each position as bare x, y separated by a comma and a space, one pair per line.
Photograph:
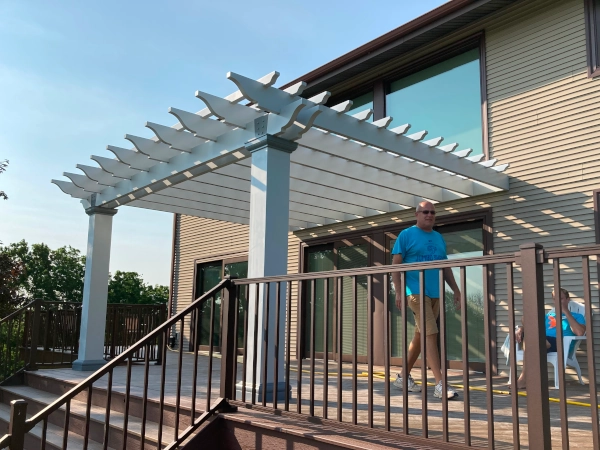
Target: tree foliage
57, 275
3, 165
129, 287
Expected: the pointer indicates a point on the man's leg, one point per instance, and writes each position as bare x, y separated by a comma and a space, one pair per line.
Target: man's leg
433, 357
521, 380
414, 349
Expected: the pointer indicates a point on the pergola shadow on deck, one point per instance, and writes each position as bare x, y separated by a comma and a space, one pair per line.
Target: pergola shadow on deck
580, 424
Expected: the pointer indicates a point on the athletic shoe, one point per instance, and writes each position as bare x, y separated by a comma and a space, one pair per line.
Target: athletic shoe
450, 392
412, 386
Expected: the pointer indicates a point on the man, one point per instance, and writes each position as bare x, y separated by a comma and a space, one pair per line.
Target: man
421, 243
573, 324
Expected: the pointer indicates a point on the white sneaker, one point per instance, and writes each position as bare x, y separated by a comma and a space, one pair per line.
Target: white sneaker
412, 386
450, 392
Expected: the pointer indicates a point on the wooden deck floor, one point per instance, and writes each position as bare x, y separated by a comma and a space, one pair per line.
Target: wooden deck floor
580, 435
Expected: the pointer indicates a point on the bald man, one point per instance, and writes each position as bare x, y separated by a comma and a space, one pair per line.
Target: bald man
420, 243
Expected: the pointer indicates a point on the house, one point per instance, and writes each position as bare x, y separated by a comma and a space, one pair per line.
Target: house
511, 80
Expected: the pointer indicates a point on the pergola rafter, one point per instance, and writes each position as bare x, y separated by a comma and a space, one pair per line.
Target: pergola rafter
344, 168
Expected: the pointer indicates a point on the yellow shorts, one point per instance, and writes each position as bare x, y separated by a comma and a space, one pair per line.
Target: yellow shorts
432, 311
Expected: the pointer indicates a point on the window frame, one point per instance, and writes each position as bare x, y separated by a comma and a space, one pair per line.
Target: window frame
592, 37
379, 85
377, 238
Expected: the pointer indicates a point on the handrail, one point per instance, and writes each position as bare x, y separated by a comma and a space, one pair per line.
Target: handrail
19, 311
374, 270
33, 421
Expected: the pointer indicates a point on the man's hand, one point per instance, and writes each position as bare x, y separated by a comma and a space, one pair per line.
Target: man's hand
399, 301
457, 298
519, 335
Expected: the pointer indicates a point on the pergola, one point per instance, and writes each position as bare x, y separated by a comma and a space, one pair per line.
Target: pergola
270, 159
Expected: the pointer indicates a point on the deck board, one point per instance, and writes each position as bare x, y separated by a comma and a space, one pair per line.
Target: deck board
580, 434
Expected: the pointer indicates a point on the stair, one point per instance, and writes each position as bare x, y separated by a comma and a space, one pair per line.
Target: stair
40, 391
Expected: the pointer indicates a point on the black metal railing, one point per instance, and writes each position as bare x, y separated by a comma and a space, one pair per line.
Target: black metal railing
111, 397
46, 334
337, 368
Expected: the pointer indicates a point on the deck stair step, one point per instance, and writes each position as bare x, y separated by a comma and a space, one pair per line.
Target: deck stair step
54, 434
38, 399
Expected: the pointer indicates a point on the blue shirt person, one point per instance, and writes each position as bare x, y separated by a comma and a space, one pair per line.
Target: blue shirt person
421, 243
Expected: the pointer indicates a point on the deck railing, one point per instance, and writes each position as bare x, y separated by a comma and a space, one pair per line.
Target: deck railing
338, 382
46, 334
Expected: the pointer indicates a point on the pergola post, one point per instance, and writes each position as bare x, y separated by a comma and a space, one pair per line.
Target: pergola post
95, 290
268, 243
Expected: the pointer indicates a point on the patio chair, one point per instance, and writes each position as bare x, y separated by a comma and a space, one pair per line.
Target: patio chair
570, 344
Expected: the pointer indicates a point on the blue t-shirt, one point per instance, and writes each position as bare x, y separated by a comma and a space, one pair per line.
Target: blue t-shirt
566, 328
416, 245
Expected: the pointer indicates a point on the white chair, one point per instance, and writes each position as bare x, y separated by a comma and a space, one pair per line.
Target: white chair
570, 351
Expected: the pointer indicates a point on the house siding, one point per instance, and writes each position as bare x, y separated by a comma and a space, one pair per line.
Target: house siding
543, 120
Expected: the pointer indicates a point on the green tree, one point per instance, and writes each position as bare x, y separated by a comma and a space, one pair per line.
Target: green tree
129, 288
3, 165
10, 272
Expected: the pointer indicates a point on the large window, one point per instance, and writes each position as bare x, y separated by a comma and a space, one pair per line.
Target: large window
444, 99
592, 13
208, 275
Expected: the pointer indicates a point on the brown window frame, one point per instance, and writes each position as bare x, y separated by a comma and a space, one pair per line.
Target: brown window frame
224, 259
592, 33
380, 84
378, 237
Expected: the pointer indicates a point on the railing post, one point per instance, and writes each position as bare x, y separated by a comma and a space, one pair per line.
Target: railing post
35, 335
16, 427
228, 342
536, 361
162, 317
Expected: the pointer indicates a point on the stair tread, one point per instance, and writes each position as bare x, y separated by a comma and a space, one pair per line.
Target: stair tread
97, 413
54, 434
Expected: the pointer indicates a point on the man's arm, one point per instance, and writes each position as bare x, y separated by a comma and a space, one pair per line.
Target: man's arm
397, 259
449, 277
578, 328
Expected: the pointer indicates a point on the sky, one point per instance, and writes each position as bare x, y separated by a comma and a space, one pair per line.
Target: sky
76, 76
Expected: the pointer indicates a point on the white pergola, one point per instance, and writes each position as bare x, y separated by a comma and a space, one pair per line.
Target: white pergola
271, 159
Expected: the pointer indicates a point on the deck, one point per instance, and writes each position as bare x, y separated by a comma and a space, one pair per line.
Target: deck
579, 423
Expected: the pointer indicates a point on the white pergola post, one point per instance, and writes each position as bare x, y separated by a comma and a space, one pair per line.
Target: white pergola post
95, 290
269, 217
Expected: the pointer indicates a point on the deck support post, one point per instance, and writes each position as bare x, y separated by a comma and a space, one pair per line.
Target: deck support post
268, 245
95, 290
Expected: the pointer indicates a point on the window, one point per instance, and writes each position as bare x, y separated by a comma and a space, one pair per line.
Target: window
592, 23
361, 103
444, 99
208, 275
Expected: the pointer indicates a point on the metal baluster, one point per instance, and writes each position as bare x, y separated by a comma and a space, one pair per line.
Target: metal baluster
489, 381
510, 300
66, 425
312, 346
88, 408
127, 401
423, 330
300, 346
386, 349
354, 351
179, 371
255, 344
145, 394
465, 354
163, 373
276, 343
195, 368
44, 433
562, 392
338, 296
587, 298
107, 411
370, 311
236, 305
245, 346
288, 328
211, 343
326, 348
266, 309
443, 356
403, 300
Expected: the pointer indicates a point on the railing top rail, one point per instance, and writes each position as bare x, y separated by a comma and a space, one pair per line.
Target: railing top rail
566, 252
122, 357
18, 311
374, 270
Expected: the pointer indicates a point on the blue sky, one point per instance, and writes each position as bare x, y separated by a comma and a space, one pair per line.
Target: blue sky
76, 76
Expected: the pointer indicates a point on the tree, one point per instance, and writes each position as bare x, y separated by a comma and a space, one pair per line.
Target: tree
129, 288
10, 272
3, 166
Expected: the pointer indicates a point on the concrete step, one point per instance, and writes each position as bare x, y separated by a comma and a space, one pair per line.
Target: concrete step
54, 435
